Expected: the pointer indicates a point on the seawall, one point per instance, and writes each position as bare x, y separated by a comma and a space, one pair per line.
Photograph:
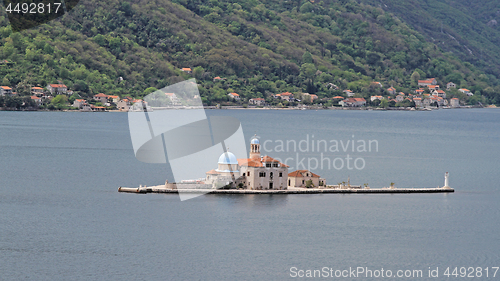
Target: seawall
161, 189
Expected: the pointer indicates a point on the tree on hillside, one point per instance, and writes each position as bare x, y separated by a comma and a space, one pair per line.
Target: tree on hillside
307, 58
60, 101
415, 76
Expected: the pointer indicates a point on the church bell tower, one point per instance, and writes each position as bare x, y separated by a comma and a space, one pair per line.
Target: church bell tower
255, 148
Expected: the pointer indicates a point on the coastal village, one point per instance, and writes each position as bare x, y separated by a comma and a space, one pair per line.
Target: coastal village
428, 95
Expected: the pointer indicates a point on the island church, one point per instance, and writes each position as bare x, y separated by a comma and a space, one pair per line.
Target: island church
257, 172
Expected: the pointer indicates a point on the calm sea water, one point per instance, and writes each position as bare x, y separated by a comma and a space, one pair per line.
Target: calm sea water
61, 217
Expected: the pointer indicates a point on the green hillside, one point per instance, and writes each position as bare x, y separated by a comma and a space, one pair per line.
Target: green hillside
468, 28
259, 47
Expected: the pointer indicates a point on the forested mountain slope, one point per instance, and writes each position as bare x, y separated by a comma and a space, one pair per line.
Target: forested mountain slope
468, 28
260, 47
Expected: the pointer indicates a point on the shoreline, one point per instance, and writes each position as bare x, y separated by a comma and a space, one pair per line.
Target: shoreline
162, 190
270, 108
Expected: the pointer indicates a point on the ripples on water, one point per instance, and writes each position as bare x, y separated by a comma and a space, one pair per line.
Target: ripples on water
62, 219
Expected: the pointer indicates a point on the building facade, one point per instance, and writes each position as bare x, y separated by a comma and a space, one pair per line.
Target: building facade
305, 178
257, 172
57, 89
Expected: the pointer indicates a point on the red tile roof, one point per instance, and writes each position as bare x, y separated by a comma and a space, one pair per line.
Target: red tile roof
301, 174
58, 86
258, 162
250, 162
100, 95
267, 159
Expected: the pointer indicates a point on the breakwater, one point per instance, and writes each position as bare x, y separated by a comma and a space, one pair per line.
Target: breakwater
159, 189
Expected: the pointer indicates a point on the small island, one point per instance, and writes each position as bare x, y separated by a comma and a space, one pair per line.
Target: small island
260, 174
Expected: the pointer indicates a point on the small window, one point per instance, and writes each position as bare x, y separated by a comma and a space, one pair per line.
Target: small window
268, 165
248, 174
289, 182
302, 181
275, 165
262, 174
281, 175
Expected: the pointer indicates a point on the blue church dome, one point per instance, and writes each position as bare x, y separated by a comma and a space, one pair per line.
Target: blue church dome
255, 140
228, 158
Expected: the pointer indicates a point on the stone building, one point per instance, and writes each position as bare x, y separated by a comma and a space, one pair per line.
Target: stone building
301, 178
257, 172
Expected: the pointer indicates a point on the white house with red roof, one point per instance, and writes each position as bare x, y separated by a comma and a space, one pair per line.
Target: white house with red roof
353, 102
427, 82
57, 89
234, 96
123, 105
257, 101
391, 90
114, 99
439, 93
37, 100
305, 178
5, 91
285, 96
349, 93
37, 91
418, 102
103, 98
465, 91
78, 103
172, 97
433, 87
